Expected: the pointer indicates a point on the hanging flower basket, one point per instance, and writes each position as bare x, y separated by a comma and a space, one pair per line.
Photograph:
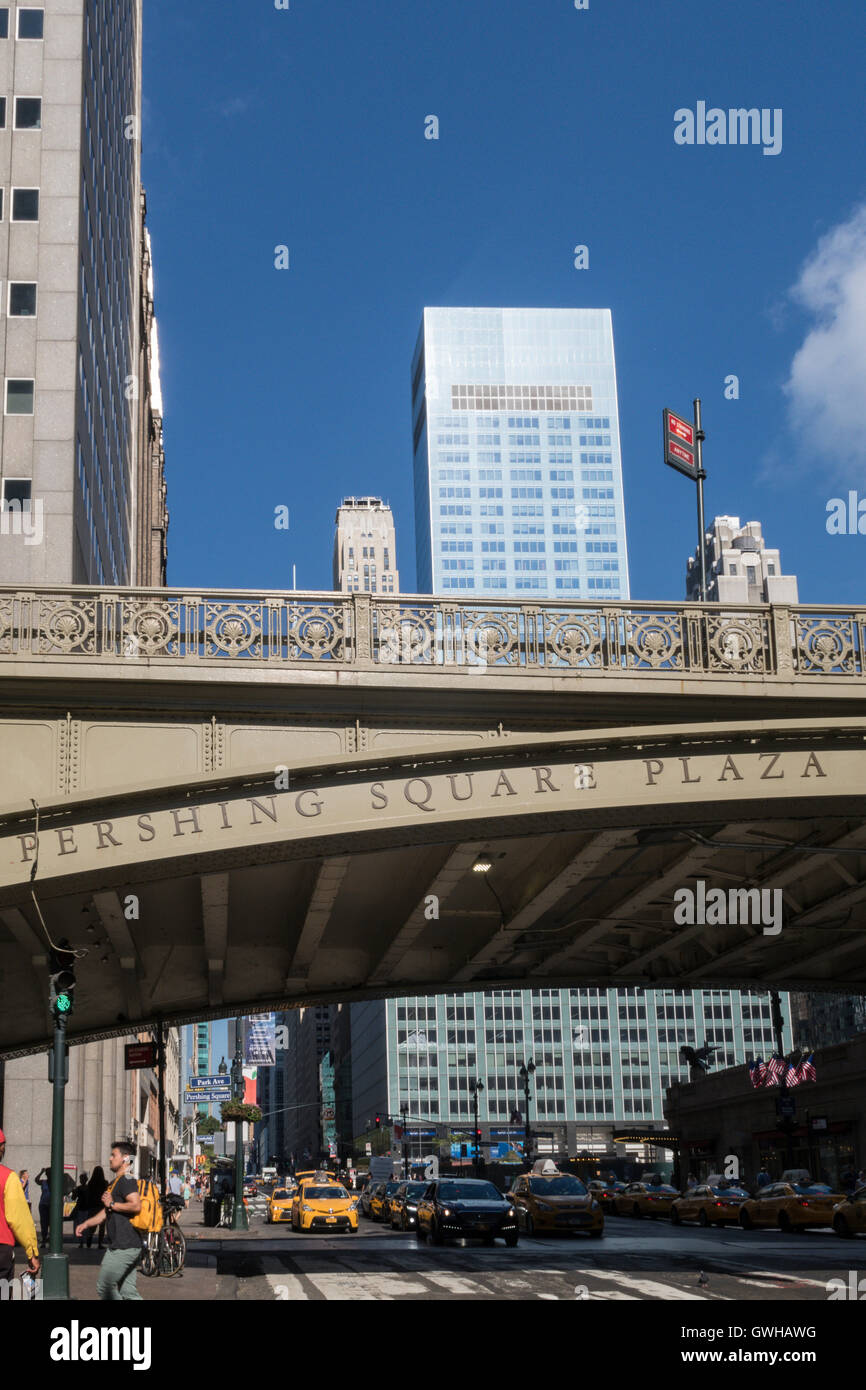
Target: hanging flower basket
237, 1110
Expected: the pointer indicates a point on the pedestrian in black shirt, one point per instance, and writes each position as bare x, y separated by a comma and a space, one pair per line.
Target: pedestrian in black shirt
119, 1269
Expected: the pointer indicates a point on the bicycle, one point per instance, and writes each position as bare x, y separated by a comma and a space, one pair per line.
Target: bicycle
164, 1252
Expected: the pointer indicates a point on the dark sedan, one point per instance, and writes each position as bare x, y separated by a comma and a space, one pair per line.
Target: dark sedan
455, 1207
404, 1205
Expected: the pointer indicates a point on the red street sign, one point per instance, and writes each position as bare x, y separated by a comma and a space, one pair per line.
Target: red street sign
678, 452
681, 428
138, 1055
680, 444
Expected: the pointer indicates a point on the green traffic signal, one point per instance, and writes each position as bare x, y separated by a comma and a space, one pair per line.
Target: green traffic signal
63, 1003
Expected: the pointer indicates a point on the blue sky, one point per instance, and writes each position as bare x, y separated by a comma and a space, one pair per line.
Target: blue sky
306, 128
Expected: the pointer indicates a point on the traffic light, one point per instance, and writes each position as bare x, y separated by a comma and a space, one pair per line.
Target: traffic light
378, 1121
62, 966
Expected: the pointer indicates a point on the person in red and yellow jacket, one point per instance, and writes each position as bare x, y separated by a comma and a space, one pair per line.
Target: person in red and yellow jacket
16, 1221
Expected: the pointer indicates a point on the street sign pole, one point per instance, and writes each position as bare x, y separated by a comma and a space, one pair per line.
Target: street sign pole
700, 476
683, 447
160, 1081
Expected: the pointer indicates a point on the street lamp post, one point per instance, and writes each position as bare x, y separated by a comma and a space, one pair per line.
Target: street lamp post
239, 1215
786, 1121
404, 1115
476, 1087
525, 1073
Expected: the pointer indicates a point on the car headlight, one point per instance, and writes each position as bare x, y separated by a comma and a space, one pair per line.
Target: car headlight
304, 1207
511, 1212
446, 1211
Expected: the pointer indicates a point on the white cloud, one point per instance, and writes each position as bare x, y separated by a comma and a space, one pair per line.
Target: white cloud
826, 387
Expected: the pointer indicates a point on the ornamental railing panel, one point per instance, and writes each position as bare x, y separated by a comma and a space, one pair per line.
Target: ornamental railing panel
415, 631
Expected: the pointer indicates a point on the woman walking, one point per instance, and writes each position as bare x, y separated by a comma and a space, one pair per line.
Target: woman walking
78, 1198
91, 1204
44, 1203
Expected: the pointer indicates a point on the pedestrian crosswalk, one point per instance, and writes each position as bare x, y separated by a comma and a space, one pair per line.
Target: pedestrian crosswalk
369, 1277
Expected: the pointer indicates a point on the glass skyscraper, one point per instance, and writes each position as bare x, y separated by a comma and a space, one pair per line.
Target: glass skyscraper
518, 475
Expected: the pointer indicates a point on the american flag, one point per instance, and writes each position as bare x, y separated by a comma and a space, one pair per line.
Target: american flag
807, 1068
775, 1070
792, 1075
757, 1072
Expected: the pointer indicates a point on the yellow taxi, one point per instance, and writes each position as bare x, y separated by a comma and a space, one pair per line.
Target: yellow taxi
380, 1199
321, 1204
548, 1200
280, 1204
791, 1206
646, 1198
710, 1203
850, 1216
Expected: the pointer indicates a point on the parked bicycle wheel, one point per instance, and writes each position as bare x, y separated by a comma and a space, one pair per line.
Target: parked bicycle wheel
172, 1251
148, 1257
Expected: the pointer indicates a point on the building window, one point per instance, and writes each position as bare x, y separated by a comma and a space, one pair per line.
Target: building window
19, 396
16, 495
25, 204
4, 22
28, 113
2, 113
31, 23
22, 299
771, 568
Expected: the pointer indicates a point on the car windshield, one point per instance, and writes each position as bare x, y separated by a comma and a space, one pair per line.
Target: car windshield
660, 1187
469, 1192
565, 1186
391, 1187
324, 1194
415, 1189
815, 1188
729, 1192
278, 1193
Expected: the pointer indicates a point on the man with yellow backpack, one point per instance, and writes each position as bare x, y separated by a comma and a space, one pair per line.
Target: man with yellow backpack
128, 1214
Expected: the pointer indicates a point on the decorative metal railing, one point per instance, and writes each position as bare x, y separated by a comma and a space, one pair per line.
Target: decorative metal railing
291, 629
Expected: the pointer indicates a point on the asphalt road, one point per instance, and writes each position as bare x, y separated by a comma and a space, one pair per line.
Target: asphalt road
635, 1260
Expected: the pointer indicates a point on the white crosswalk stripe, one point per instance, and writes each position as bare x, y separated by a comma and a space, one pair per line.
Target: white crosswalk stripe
650, 1288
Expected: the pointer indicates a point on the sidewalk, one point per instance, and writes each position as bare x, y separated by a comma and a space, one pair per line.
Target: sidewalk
197, 1280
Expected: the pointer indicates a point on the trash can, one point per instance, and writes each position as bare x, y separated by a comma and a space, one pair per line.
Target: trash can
211, 1211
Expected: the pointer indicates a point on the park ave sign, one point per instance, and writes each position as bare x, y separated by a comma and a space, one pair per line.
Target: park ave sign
247, 812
